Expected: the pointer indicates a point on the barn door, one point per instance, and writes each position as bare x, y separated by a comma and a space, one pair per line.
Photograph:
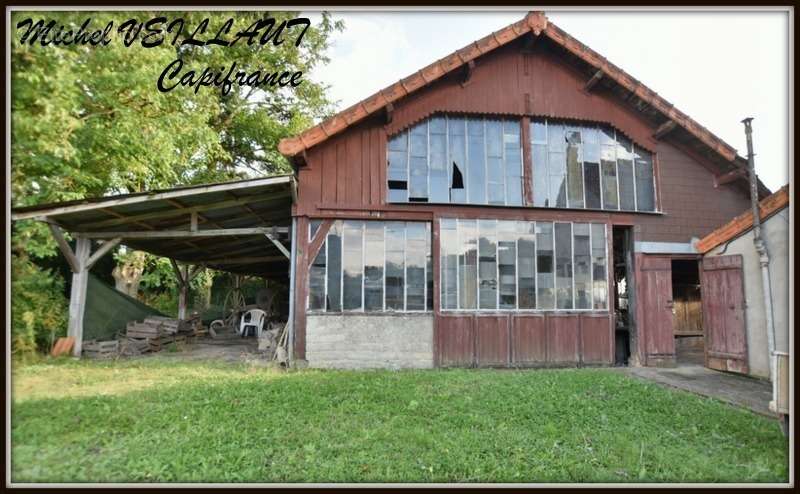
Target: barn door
655, 309
723, 313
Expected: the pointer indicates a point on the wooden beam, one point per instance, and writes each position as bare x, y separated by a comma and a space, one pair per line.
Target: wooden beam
664, 129
316, 242
64, 247
467, 71
103, 250
77, 297
592, 82
388, 113
193, 221
224, 232
245, 260
178, 272
279, 245
729, 177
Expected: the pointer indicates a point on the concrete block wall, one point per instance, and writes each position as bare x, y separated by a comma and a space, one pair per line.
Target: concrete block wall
358, 341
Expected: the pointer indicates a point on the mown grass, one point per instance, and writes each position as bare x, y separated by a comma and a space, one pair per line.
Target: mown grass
157, 420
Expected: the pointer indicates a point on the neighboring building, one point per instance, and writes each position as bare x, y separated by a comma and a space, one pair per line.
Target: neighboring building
731, 246
520, 202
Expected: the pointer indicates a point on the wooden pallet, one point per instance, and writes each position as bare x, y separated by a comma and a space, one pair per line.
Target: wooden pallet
101, 349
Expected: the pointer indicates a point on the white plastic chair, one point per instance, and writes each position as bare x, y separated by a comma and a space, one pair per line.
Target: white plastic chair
254, 318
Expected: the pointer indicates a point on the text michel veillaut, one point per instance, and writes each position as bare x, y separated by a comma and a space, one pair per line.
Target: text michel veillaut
157, 31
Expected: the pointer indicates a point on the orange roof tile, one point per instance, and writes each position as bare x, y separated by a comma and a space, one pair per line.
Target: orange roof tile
535, 22
744, 222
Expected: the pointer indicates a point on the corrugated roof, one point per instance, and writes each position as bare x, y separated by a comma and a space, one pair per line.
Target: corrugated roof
744, 222
537, 23
231, 221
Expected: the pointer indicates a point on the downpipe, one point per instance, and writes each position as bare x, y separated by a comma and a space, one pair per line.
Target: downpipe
763, 256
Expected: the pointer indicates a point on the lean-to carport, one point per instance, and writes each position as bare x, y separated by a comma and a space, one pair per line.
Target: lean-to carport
242, 227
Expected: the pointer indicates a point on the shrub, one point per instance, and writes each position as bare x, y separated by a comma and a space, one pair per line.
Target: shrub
39, 309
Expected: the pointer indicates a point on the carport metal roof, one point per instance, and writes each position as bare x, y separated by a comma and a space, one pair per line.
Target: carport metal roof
240, 227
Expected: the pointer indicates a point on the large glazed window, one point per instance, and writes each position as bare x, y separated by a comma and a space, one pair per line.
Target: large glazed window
501, 265
589, 167
372, 266
447, 159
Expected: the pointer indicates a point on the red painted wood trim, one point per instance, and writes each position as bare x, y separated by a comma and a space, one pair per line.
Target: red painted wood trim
317, 241
527, 160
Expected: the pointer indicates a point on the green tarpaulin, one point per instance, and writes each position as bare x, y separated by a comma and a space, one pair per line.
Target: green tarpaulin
109, 311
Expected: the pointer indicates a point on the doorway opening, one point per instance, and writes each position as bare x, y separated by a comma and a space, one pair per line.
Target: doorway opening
687, 312
624, 326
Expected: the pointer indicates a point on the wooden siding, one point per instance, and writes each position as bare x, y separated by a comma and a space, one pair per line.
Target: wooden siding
723, 310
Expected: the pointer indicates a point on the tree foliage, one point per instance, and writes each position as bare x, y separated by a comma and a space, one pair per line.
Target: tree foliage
90, 121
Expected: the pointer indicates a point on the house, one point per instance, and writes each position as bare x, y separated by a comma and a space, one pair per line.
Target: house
520, 202
732, 269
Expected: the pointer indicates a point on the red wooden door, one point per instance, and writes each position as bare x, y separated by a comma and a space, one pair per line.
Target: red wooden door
655, 309
722, 295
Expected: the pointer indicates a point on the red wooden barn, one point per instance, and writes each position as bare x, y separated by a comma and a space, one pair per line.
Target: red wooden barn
520, 202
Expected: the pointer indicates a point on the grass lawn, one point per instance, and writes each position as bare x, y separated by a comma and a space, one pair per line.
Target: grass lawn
161, 420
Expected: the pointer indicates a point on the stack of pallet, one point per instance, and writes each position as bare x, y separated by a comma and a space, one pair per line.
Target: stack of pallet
100, 349
157, 332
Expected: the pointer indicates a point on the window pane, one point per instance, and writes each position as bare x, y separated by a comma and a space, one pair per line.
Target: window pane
456, 128
513, 162
599, 271
487, 264
476, 159
439, 179
526, 255
541, 186
563, 237
316, 281
373, 266
428, 269
538, 132
645, 193
468, 264
558, 180
609, 185
627, 197
395, 265
352, 265
448, 264
582, 263
334, 302
574, 172
313, 226
591, 174
416, 258
544, 266
398, 168
507, 263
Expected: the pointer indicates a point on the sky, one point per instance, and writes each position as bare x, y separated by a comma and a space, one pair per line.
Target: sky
717, 67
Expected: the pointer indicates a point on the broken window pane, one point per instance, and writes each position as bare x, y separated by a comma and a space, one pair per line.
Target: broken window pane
448, 264
574, 171
507, 263
334, 287
645, 191
395, 265
398, 168
456, 133
352, 265
416, 258
563, 249
582, 266
373, 266
526, 255
544, 266
316, 281
468, 264
599, 271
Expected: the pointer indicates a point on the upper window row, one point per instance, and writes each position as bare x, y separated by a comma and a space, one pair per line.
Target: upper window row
479, 161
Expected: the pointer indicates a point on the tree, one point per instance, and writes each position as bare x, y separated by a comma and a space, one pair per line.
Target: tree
89, 121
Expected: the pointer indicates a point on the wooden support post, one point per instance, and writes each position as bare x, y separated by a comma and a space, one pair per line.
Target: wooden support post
77, 298
183, 287
592, 82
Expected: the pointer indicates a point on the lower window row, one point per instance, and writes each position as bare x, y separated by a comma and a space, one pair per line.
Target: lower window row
376, 266
518, 265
